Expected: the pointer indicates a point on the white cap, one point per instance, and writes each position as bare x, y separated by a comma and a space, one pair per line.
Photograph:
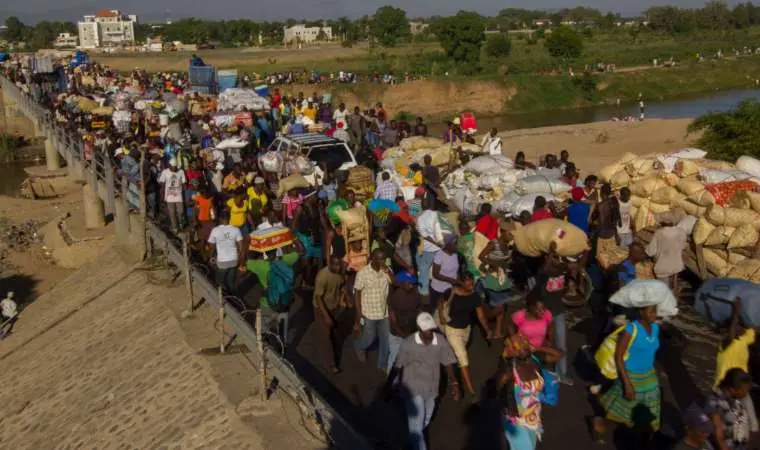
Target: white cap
219, 166
173, 162
119, 151
425, 322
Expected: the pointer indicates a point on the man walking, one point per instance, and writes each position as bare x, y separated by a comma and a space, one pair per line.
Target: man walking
404, 305
172, 179
8, 315
419, 361
356, 128
371, 298
328, 304
228, 242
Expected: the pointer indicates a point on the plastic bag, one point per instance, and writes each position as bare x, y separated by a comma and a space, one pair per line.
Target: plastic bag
749, 165
538, 184
713, 176
271, 162
642, 293
527, 202
489, 163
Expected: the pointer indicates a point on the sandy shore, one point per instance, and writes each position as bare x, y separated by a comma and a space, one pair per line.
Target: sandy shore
594, 145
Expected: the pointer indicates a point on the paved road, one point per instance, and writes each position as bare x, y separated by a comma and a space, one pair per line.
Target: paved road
686, 367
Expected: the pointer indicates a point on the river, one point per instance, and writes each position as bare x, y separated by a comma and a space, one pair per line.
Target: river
684, 107
12, 175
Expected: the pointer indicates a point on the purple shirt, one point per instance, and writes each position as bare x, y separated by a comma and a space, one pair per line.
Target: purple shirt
325, 116
449, 268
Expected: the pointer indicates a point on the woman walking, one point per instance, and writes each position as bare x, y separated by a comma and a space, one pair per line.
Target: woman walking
520, 384
634, 399
458, 312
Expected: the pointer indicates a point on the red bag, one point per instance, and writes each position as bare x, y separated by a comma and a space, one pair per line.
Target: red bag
722, 192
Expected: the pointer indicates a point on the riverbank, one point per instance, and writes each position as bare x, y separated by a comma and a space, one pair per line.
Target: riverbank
595, 145
530, 93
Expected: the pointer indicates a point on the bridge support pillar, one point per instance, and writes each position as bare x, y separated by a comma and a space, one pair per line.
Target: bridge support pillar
94, 215
121, 217
51, 152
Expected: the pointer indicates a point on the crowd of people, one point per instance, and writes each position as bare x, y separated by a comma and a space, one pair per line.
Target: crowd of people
413, 284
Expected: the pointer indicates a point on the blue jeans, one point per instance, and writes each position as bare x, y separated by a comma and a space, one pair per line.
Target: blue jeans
560, 340
424, 263
375, 330
394, 345
419, 410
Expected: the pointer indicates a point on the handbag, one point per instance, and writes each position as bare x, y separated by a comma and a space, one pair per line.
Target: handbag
605, 355
550, 393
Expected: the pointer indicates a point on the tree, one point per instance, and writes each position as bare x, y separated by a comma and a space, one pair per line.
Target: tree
16, 29
498, 45
714, 16
461, 36
729, 135
389, 26
564, 42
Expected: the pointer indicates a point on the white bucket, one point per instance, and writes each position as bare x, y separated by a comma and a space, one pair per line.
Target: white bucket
163, 119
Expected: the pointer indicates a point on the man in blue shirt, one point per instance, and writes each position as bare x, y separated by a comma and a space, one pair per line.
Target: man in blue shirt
579, 212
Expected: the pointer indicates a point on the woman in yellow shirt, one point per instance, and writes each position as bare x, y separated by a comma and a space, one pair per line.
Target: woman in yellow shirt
257, 197
734, 354
240, 211
310, 111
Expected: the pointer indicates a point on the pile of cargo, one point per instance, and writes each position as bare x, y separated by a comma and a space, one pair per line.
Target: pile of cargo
723, 197
494, 179
236, 99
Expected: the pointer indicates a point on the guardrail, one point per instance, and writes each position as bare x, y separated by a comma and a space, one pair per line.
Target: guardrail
99, 170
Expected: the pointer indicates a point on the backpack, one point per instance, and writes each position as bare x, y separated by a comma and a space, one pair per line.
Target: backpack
280, 293
605, 355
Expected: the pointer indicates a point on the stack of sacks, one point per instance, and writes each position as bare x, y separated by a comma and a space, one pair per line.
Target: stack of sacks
485, 179
723, 230
395, 157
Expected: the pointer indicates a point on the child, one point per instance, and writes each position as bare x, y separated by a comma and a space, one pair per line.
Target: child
8, 314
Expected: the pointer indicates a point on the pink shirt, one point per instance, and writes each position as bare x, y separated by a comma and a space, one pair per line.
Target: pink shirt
291, 204
534, 330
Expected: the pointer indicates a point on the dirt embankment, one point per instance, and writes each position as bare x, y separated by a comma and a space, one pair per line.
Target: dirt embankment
434, 99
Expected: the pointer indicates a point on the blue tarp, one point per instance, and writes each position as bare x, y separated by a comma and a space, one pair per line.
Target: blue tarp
714, 298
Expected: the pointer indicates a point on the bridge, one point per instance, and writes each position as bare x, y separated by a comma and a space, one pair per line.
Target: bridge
107, 196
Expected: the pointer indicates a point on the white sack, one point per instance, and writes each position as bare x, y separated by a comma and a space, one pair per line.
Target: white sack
641, 293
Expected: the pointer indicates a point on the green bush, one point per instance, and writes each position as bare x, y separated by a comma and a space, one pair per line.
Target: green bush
498, 45
564, 42
587, 86
729, 135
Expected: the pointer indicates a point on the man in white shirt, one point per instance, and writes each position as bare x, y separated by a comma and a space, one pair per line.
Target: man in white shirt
492, 143
431, 234
340, 115
228, 242
8, 315
172, 181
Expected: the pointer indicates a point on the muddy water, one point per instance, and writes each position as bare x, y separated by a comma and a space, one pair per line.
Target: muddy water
668, 109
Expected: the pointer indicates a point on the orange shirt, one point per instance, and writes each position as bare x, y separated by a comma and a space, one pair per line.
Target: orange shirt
204, 207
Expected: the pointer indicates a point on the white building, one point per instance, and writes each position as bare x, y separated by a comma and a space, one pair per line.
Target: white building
107, 28
66, 40
302, 33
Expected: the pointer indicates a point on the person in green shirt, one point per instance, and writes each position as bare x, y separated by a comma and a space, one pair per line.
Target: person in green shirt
466, 246
260, 264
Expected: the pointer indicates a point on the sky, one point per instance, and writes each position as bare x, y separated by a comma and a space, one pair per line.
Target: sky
32, 11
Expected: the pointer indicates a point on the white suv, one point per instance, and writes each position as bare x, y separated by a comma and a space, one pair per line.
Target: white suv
334, 153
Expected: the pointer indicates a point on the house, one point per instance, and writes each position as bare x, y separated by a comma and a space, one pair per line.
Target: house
155, 44
417, 28
542, 23
66, 40
107, 28
302, 33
